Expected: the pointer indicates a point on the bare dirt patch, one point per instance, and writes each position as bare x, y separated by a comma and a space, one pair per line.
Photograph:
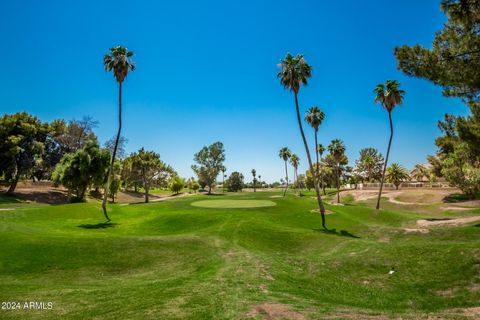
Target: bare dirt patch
416, 230
472, 312
426, 196
413, 196
455, 209
41, 194
446, 222
272, 311
362, 195
448, 293
352, 315
132, 197
318, 211
475, 287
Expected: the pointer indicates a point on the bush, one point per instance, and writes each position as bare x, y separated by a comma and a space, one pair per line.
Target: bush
462, 174
80, 170
114, 187
234, 183
193, 185
177, 184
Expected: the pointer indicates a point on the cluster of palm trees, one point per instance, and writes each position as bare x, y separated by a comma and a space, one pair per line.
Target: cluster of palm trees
295, 73
286, 155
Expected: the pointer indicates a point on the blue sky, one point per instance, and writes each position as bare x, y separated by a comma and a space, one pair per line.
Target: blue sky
206, 72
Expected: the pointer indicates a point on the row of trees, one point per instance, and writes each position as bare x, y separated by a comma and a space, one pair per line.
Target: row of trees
31, 148
88, 169
69, 154
334, 171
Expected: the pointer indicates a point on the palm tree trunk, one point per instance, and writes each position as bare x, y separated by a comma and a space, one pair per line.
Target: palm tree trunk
386, 160
322, 182
294, 179
110, 170
316, 155
317, 191
286, 179
338, 183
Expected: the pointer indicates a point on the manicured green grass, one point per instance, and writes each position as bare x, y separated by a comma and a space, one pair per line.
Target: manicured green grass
172, 260
229, 204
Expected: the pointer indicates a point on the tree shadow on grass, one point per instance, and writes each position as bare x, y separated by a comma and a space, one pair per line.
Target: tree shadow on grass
477, 225
341, 233
9, 198
437, 219
102, 225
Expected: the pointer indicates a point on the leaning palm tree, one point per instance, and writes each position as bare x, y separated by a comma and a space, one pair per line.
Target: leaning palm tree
285, 154
389, 96
337, 150
295, 161
396, 174
320, 151
295, 72
118, 61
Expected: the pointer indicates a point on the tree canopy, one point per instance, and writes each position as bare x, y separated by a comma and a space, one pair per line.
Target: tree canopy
22, 138
369, 165
209, 164
235, 182
453, 61
396, 174
80, 170
147, 167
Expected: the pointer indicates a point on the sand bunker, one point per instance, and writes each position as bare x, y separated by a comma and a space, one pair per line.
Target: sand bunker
448, 222
274, 311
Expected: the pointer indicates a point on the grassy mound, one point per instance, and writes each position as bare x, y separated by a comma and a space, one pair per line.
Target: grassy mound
229, 204
172, 260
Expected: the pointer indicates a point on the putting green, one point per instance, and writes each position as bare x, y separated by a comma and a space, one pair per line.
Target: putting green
233, 203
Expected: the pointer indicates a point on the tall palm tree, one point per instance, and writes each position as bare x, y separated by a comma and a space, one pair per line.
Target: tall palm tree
285, 154
118, 61
337, 150
254, 174
389, 96
315, 117
295, 161
320, 151
295, 72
